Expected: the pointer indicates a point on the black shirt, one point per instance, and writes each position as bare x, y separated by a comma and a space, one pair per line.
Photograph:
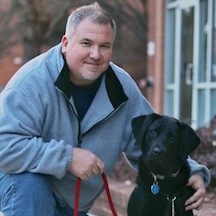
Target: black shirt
84, 95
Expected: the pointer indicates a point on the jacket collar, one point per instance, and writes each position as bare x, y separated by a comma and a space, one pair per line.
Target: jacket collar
108, 98
114, 88
63, 81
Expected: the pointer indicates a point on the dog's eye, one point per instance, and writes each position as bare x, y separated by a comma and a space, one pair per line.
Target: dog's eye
172, 139
153, 133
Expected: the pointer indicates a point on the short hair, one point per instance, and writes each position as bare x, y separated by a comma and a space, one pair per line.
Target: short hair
93, 12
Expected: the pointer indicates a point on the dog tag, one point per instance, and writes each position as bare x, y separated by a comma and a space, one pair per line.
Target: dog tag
155, 189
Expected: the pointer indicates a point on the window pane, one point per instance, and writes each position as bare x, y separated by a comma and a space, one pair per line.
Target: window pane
201, 108
171, 48
170, 1
170, 103
203, 42
213, 69
213, 103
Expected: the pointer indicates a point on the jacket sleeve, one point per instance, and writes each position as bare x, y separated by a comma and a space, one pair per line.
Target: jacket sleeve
21, 146
132, 151
201, 169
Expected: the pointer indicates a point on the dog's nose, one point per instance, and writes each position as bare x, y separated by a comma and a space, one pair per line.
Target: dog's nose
157, 151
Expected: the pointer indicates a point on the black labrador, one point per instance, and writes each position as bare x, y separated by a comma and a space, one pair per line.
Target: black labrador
163, 168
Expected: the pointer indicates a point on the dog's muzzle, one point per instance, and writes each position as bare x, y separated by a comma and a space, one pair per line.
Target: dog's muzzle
157, 151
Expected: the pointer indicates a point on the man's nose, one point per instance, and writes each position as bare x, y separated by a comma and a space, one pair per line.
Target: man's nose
95, 53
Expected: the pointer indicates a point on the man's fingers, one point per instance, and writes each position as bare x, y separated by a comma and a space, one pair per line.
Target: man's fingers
96, 171
89, 174
195, 201
194, 205
100, 166
85, 164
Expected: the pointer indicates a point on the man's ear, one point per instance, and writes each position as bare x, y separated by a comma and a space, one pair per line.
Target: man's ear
64, 42
140, 125
189, 141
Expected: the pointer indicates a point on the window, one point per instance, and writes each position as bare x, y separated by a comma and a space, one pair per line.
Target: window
202, 72
213, 66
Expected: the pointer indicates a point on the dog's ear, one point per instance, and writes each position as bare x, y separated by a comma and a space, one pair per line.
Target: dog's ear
137, 125
140, 124
189, 140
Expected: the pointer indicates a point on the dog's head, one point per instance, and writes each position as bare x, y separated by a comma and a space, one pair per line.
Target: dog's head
164, 138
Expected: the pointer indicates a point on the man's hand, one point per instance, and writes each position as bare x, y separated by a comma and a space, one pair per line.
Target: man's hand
196, 200
85, 164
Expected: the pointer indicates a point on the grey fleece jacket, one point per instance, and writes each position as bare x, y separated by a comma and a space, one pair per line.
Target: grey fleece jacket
39, 125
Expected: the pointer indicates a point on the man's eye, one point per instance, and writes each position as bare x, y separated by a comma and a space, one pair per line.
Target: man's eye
85, 44
106, 46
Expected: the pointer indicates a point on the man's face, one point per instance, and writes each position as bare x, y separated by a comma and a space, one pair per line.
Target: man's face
88, 51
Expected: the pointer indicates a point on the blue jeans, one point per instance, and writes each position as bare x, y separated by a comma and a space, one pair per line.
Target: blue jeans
30, 194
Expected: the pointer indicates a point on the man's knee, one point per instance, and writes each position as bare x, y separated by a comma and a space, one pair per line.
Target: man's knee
26, 191
31, 183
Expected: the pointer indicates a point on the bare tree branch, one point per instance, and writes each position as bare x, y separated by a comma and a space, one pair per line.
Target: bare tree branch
39, 23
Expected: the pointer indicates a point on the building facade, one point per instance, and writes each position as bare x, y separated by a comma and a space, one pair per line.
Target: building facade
190, 60
181, 59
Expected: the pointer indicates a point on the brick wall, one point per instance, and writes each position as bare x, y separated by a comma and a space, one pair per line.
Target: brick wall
156, 60
10, 64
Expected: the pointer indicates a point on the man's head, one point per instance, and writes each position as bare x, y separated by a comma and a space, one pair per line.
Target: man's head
88, 43
92, 12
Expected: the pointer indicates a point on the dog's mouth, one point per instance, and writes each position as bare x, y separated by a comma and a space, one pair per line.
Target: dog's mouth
156, 152
162, 170
159, 157
154, 161
161, 164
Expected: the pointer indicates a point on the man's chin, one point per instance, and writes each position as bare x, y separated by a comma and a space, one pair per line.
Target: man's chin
92, 75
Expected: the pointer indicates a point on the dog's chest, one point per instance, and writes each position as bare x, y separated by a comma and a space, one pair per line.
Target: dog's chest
169, 192
155, 184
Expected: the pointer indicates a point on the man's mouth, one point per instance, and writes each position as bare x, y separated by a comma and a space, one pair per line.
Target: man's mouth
92, 63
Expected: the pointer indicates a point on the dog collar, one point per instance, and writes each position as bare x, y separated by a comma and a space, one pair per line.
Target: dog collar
161, 177
155, 188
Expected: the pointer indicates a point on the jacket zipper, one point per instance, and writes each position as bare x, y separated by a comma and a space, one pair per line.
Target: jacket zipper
104, 119
79, 140
80, 136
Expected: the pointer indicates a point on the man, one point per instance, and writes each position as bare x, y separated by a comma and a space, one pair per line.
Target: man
66, 114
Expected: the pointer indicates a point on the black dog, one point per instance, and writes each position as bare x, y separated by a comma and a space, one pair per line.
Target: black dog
163, 168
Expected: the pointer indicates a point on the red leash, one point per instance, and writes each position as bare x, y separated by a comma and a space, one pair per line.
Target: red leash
77, 192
